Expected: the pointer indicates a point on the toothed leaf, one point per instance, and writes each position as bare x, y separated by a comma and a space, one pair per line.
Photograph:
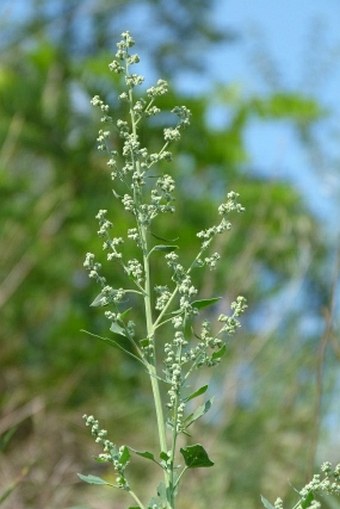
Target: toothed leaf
195, 456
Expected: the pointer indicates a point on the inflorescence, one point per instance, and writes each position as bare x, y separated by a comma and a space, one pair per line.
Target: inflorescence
175, 303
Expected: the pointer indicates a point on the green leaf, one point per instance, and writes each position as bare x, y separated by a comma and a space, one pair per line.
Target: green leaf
112, 343
7, 492
167, 248
125, 312
203, 303
125, 456
153, 502
306, 501
98, 301
161, 492
161, 500
93, 479
266, 503
219, 353
195, 456
163, 239
144, 454
201, 410
6, 438
164, 456
197, 393
117, 329
144, 342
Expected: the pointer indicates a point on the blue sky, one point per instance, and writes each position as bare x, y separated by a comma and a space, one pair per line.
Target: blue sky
302, 41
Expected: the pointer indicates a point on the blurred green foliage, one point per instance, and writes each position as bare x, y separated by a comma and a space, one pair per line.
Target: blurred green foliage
52, 182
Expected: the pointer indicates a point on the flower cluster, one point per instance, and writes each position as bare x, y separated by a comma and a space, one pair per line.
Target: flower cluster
118, 457
174, 362
104, 108
329, 483
231, 323
161, 88
181, 358
231, 205
94, 269
135, 270
163, 296
325, 483
137, 159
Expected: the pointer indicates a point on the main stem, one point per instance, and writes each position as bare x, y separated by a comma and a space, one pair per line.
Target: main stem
150, 329
152, 369
152, 365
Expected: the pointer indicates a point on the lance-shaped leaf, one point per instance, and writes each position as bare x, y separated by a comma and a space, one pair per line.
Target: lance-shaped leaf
117, 329
201, 410
124, 313
266, 503
112, 343
217, 355
93, 479
195, 456
306, 502
124, 458
145, 454
163, 239
100, 300
7, 492
197, 393
203, 303
166, 248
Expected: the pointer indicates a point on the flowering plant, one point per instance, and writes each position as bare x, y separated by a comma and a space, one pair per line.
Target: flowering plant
171, 309
325, 483
145, 196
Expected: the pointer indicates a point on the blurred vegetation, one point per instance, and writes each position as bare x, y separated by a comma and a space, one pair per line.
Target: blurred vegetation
278, 379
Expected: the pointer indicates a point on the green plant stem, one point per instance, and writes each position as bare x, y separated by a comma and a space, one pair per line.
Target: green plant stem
151, 366
136, 499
